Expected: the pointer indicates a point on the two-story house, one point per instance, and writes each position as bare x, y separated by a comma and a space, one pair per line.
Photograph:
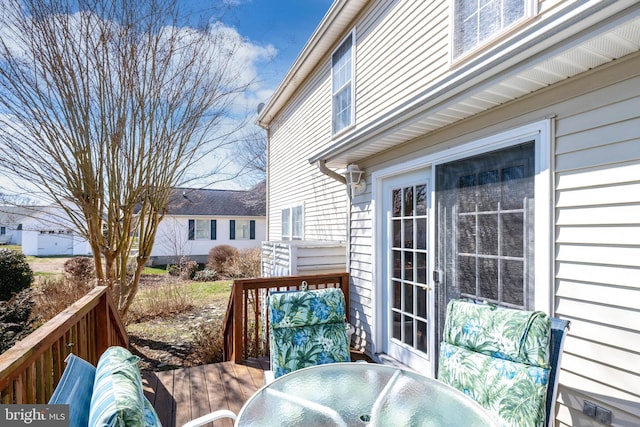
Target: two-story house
488, 149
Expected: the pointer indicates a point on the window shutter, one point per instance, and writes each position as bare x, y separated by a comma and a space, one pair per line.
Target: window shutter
213, 229
232, 229
252, 229
192, 229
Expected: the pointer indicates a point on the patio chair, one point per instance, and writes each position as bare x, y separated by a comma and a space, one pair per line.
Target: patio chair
505, 359
111, 393
306, 328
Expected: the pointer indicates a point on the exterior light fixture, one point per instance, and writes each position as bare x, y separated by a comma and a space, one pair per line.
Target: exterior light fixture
353, 175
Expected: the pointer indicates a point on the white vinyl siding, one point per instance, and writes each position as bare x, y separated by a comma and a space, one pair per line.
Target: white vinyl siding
598, 252
296, 135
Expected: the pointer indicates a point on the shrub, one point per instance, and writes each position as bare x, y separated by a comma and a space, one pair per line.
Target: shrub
160, 301
79, 269
15, 274
246, 265
219, 257
209, 342
53, 295
206, 275
15, 319
187, 269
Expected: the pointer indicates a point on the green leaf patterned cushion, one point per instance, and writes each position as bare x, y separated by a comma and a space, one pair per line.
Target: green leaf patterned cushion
516, 335
307, 328
118, 399
302, 308
513, 392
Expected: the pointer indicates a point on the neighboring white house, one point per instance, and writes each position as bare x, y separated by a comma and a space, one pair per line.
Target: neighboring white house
500, 144
199, 219
47, 231
11, 218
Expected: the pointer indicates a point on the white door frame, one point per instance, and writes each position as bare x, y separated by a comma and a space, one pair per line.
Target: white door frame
543, 131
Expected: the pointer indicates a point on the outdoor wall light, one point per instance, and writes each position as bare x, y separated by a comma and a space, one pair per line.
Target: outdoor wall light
353, 176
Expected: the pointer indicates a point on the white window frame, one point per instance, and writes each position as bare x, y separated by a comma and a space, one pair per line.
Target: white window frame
287, 231
243, 229
349, 84
529, 9
196, 236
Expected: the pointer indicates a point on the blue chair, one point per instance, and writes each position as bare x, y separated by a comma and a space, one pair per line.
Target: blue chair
559, 329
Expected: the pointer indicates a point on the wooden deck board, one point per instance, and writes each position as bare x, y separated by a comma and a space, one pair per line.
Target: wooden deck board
181, 395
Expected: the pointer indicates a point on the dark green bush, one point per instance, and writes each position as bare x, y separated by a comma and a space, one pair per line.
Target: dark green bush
15, 274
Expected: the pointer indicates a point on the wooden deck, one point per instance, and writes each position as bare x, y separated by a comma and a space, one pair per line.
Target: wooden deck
181, 395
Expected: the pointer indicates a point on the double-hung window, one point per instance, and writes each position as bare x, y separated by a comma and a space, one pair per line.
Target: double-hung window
202, 229
342, 85
242, 229
477, 21
293, 223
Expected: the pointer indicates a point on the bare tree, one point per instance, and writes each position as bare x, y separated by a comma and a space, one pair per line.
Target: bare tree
105, 106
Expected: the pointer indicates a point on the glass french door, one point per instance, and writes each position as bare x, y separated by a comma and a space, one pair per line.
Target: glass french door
407, 291
485, 220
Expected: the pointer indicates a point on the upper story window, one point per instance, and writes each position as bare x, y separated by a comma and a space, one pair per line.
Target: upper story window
477, 21
292, 223
342, 85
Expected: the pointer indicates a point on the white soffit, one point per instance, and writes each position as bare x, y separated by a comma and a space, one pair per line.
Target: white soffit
601, 49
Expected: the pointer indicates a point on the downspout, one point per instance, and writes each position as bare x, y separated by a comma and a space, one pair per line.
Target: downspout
322, 167
330, 173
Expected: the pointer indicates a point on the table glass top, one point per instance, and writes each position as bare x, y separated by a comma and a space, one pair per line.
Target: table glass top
360, 394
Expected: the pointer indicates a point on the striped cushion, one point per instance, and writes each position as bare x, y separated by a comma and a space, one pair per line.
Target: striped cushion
117, 399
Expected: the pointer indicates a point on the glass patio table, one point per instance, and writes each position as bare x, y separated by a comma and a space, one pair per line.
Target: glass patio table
360, 394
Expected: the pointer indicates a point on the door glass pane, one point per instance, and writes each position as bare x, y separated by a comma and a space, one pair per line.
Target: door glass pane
485, 217
397, 295
397, 233
409, 255
408, 201
488, 234
422, 342
421, 200
421, 233
397, 325
396, 203
408, 298
408, 233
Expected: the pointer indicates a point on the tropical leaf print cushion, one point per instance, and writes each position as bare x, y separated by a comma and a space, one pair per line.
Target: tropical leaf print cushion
307, 329
499, 357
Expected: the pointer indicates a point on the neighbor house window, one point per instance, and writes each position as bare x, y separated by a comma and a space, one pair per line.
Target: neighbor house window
292, 223
3, 231
202, 229
242, 229
477, 21
342, 85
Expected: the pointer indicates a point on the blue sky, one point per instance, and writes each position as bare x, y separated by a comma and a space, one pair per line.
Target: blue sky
284, 24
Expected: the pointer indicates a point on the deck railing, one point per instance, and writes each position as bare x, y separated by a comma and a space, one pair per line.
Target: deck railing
245, 323
30, 370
